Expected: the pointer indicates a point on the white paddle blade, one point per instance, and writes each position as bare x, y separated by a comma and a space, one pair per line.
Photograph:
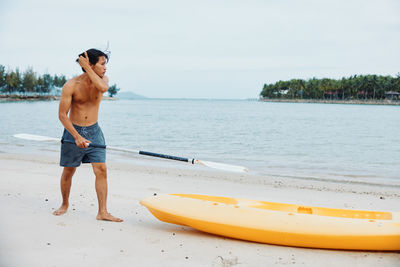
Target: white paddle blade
36, 137
222, 166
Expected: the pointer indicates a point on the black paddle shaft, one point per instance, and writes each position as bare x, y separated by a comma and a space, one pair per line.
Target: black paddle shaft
163, 156
151, 154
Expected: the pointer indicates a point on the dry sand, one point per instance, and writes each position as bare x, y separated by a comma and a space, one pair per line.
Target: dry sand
32, 236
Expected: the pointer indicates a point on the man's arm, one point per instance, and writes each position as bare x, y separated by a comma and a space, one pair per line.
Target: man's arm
100, 83
63, 109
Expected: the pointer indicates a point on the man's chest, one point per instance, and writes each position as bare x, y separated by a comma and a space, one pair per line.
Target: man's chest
86, 95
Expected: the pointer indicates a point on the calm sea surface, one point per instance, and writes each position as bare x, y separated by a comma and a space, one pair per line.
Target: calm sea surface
323, 141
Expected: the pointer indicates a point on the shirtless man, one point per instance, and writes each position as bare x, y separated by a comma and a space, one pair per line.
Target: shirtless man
81, 98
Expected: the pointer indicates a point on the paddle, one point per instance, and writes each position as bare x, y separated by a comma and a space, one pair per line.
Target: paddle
215, 165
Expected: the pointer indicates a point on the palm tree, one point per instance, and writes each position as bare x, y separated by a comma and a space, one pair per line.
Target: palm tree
28, 81
2, 77
113, 90
13, 81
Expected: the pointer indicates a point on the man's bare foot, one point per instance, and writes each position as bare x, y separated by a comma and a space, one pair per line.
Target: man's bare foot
63, 209
108, 217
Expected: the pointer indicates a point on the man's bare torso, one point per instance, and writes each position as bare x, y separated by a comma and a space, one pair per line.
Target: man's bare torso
85, 102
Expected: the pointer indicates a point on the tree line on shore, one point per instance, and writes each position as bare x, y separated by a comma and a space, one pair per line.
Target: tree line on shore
29, 83
365, 87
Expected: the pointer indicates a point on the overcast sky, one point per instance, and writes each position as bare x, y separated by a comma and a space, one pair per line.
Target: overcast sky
204, 48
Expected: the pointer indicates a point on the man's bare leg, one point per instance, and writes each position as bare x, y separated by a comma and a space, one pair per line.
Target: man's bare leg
100, 170
65, 184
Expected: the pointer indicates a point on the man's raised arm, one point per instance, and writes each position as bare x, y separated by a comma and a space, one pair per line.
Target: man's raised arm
100, 83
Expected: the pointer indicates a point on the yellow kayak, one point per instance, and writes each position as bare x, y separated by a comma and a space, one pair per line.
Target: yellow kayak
279, 223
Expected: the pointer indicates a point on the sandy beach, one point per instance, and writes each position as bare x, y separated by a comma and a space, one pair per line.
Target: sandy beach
32, 236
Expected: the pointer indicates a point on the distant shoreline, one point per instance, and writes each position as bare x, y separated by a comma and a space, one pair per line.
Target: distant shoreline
38, 98
25, 97
15, 97
327, 101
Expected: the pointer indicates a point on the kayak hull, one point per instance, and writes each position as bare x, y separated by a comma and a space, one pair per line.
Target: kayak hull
279, 223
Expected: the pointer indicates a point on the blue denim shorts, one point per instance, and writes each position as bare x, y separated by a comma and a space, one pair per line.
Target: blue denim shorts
73, 156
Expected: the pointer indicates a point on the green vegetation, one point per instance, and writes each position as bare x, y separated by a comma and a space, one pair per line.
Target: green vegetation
364, 87
113, 90
28, 83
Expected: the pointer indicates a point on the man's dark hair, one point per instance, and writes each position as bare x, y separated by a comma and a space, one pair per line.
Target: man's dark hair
94, 55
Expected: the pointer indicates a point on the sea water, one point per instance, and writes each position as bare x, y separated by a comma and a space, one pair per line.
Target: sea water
302, 140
